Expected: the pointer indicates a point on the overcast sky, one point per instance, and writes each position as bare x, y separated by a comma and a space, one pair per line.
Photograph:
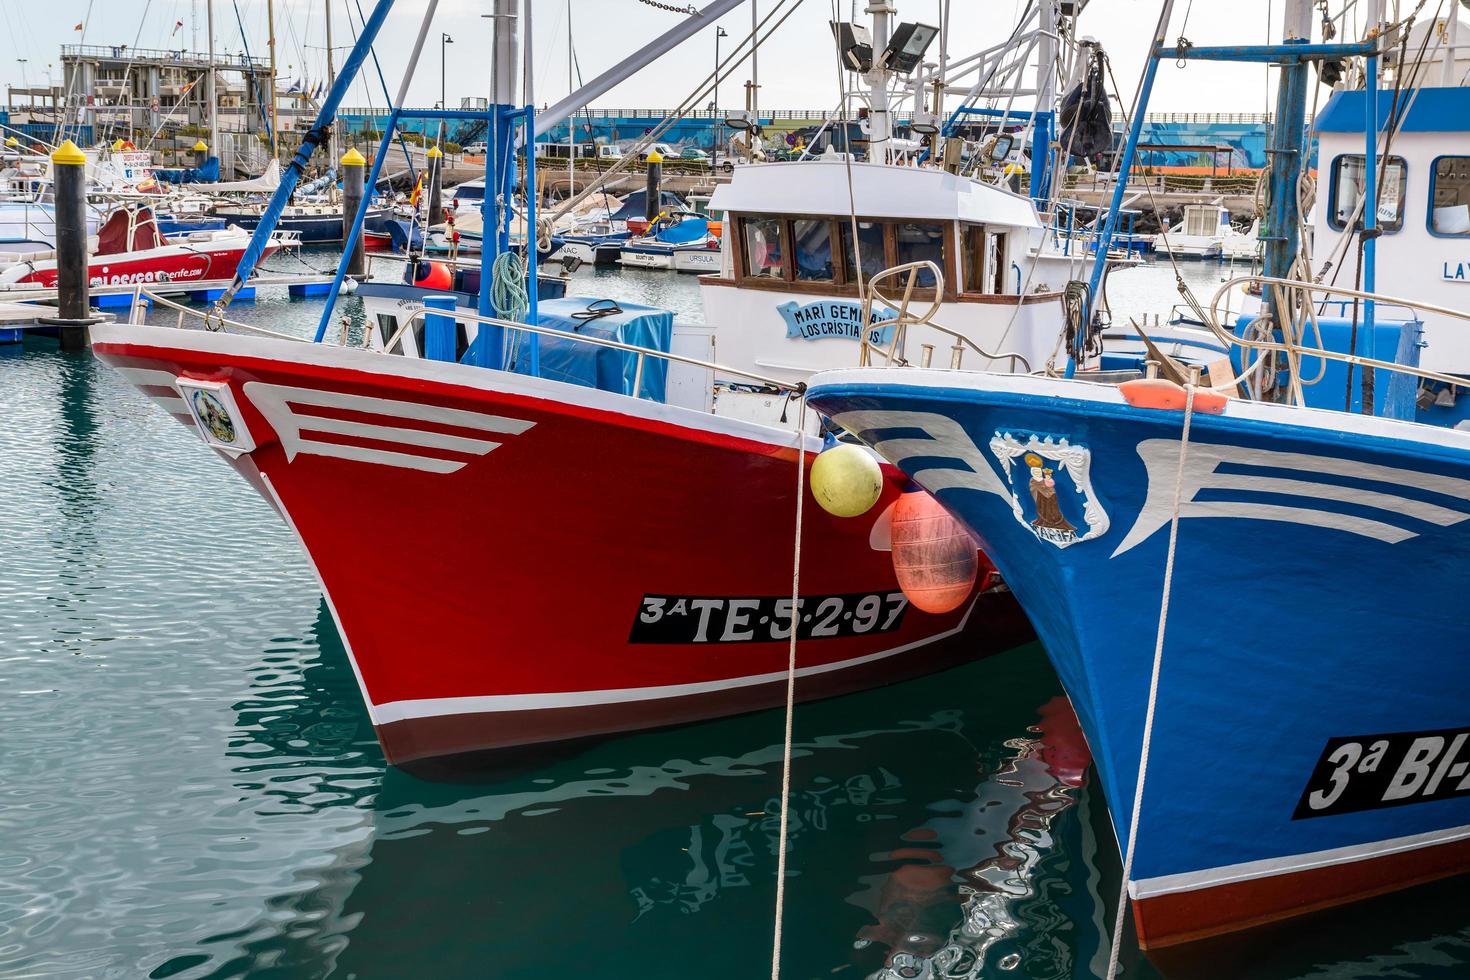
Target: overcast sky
796, 65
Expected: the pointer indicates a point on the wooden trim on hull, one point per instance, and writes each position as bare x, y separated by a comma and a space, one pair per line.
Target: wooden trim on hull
1184, 917
996, 624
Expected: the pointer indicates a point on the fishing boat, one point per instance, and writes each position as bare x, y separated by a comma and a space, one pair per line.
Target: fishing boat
1193, 546
604, 514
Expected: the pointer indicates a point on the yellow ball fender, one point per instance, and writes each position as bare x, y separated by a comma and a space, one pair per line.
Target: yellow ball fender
846, 480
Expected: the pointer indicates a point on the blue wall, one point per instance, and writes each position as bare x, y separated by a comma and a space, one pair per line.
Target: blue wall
1247, 137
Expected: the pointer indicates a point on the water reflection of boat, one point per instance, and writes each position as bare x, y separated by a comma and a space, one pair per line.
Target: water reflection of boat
650, 834
964, 896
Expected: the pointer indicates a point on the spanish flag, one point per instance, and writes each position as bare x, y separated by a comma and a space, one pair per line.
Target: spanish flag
418, 189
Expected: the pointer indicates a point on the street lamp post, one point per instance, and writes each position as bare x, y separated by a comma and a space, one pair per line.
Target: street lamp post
444, 39
714, 149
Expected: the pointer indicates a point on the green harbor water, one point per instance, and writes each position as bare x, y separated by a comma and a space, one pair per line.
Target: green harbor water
189, 786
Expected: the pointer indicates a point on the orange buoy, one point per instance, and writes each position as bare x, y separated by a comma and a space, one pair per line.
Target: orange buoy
934, 557
434, 275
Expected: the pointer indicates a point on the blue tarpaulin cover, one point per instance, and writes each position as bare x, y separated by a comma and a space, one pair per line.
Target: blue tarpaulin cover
603, 367
691, 229
207, 174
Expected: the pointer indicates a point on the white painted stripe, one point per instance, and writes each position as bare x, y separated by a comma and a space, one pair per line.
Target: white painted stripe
1294, 514
1417, 509
392, 711
1291, 864
390, 433
258, 391
275, 403
382, 457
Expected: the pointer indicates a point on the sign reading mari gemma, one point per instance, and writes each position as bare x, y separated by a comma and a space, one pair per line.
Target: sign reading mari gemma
833, 318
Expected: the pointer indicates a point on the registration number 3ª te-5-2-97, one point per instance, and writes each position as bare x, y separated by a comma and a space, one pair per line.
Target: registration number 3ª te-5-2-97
764, 619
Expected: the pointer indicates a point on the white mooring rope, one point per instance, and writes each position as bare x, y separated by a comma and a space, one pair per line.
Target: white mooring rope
1153, 685
790, 690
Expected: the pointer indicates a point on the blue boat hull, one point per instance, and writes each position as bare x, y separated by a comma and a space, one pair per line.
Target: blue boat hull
315, 229
1311, 743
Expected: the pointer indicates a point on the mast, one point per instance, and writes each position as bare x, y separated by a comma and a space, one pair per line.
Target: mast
572, 119
210, 85
331, 80
270, 20
880, 123
1287, 137
193, 25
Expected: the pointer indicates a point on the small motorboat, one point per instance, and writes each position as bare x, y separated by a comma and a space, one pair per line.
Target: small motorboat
686, 242
130, 249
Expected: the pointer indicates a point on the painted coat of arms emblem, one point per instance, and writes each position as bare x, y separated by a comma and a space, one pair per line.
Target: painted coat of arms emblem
1050, 485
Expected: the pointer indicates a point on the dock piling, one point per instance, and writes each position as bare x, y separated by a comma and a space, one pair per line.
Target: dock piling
436, 185
653, 199
74, 310
354, 170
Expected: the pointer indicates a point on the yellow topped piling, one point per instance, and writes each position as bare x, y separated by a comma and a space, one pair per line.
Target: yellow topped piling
67, 153
353, 159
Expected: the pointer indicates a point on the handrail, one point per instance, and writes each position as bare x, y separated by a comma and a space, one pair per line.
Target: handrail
904, 320
798, 387
1292, 349
211, 321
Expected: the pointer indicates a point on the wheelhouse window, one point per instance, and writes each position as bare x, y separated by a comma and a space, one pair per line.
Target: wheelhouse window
871, 253
763, 253
919, 241
811, 245
834, 254
1348, 180
1449, 194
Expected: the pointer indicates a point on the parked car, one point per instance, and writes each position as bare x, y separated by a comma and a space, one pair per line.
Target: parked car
693, 153
475, 149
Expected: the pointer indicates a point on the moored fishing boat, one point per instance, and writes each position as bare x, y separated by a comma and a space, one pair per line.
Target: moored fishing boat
599, 517
1193, 552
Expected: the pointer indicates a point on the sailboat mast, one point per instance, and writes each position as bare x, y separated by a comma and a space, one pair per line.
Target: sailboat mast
572, 119
211, 85
270, 21
331, 80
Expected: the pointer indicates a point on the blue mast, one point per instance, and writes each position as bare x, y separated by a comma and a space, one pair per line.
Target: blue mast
1288, 139
314, 137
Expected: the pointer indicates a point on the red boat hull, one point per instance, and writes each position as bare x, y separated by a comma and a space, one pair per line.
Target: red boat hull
160, 267
612, 564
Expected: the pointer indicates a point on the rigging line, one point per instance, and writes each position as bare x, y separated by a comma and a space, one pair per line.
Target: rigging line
382, 81
250, 62
1153, 682
781, 838
70, 87
1397, 115
857, 256
722, 71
